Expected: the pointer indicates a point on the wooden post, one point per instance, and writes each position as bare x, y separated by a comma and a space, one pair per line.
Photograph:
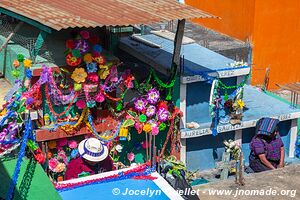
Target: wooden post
11, 35
177, 43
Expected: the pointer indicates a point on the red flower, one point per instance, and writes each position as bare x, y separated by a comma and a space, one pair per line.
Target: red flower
93, 77
70, 44
162, 104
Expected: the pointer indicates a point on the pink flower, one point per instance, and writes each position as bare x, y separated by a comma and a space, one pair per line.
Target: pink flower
145, 145
59, 168
99, 97
155, 130
140, 104
61, 156
93, 77
150, 111
72, 144
62, 142
162, 114
81, 104
130, 156
53, 162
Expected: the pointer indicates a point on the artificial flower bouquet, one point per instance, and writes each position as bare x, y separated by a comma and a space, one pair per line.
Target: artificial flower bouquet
233, 148
59, 154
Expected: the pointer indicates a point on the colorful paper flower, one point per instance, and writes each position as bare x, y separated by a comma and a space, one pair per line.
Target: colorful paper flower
29, 101
147, 128
16, 63
94, 39
79, 75
143, 118
77, 86
28, 73
98, 48
52, 144
72, 60
62, 142
27, 63
76, 53
119, 148
150, 111
162, 114
61, 156
162, 126
103, 72
138, 127
72, 144
81, 104
128, 79
88, 59
52, 163
15, 73
85, 34
140, 104
155, 130
162, 104
82, 46
59, 168
91, 104
70, 44
93, 77
20, 57
74, 153
99, 97
153, 96
99, 59
130, 156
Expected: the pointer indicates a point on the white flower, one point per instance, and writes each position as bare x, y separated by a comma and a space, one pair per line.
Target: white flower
226, 143
119, 148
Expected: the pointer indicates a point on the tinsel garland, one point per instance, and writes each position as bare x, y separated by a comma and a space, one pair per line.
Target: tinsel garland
69, 128
27, 132
93, 130
171, 131
140, 171
48, 101
7, 151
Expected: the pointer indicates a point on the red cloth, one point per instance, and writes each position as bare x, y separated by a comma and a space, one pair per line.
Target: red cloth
79, 165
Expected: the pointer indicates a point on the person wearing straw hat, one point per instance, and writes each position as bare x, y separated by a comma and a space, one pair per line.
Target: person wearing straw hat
93, 159
267, 149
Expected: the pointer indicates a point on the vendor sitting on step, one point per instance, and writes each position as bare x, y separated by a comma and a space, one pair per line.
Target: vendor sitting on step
93, 159
267, 151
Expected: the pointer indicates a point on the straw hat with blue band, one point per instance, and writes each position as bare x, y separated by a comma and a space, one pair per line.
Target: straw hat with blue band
266, 126
92, 150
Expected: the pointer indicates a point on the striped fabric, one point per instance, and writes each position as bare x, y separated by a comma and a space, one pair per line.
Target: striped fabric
266, 126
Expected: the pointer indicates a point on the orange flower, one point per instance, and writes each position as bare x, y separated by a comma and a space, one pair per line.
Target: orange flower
49, 154
79, 75
16, 63
88, 58
60, 178
52, 144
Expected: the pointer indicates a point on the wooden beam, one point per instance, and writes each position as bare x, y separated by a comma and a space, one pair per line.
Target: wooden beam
178, 43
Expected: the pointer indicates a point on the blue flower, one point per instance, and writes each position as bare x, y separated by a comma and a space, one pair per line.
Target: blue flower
91, 67
97, 48
74, 153
28, 73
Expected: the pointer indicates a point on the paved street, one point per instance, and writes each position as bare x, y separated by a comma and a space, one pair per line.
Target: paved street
284, 182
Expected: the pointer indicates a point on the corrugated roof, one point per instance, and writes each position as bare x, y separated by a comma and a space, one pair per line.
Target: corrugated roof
62, 14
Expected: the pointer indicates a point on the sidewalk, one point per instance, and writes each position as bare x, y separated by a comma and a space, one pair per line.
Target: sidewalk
283, 182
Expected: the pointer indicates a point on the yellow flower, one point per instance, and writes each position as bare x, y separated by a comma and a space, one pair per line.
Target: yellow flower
27, 63
3, 112
147, 128
79, 75
103, 72
240, 103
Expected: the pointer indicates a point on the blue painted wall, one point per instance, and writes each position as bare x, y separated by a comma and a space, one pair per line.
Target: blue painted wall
203, 152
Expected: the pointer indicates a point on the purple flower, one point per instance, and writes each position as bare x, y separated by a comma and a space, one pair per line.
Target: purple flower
29, 101
162, 114
82, 45
153, 96
150, 111
140, 104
